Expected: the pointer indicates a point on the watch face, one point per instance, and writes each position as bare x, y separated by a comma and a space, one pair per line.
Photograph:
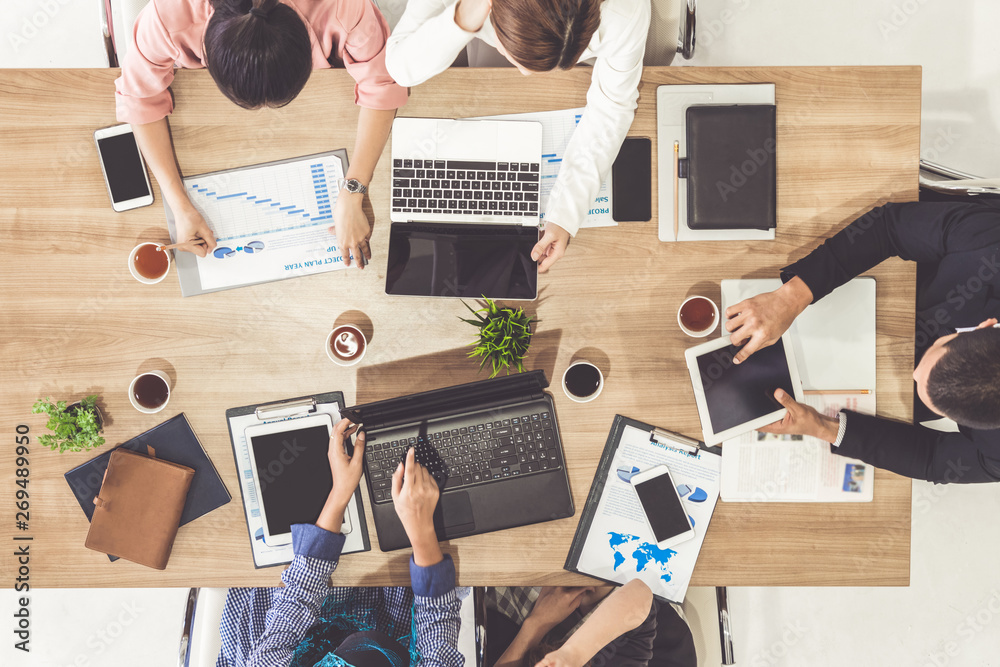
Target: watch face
353, 185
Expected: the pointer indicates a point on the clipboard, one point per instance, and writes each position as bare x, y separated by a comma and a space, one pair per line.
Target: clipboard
237, 419
676, 451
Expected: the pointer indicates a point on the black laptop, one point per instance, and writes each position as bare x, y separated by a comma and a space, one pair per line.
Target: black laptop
493, 446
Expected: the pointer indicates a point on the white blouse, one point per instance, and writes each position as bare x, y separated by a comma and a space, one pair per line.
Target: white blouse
427, 40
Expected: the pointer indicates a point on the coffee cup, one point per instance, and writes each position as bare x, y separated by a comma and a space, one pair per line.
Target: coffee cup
148, 264
346, 345
698, 316
149, 392
582, 381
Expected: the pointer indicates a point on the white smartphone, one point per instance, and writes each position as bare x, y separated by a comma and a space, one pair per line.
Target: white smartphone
291, 473
662, 506
123, 167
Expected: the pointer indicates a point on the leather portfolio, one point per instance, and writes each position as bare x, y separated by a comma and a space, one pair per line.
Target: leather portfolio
730, 166
138, 509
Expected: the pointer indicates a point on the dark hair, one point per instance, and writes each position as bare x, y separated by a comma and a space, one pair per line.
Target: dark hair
542, 35
964, 384
258, 52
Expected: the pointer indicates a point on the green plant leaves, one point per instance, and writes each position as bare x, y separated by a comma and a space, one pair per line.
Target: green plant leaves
504, 337
74, 430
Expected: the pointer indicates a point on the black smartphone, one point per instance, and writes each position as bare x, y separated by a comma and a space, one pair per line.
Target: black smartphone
632, 181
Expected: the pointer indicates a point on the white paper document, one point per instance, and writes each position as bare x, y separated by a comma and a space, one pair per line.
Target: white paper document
620, 545
764, 467
271, 221
557, 130
263, 554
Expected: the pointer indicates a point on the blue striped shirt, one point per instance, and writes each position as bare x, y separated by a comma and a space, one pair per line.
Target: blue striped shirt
261, 627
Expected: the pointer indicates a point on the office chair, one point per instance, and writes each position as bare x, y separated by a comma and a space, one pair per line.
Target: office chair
119, 18
671, 31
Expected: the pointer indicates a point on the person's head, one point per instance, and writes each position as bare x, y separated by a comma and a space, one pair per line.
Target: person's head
258, 52
543, 35
959, 377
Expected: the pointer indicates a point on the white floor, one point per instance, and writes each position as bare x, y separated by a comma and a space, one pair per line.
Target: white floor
950, 615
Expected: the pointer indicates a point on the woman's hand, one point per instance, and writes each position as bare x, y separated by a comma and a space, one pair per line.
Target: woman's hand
192, 230
556, 603
346, 472
415, 495
470, 15
352, 228
551, 246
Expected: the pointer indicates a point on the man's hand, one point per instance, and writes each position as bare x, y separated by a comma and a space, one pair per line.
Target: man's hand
415, 495
802, 420
761, 320
556, 603
346, 472
470, 15
193, 231
352, 228
551, 246
558, 658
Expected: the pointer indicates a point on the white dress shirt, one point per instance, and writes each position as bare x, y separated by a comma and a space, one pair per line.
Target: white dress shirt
427, 40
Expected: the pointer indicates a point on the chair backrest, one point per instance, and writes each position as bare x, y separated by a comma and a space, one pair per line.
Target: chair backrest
664, 31
123, 14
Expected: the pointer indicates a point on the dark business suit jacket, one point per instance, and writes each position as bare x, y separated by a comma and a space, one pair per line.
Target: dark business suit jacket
957, 248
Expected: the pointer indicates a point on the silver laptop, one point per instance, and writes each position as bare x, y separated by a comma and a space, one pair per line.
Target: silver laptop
472, 171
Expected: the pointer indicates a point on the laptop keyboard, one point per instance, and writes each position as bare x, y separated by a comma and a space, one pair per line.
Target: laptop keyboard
484, 453
462, 187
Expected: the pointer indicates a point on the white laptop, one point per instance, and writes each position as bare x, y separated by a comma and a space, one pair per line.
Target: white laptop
471, 171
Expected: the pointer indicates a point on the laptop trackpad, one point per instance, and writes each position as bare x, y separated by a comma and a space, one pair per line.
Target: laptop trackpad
456, 513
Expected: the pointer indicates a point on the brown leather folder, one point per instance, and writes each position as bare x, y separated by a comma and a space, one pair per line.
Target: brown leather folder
138, 509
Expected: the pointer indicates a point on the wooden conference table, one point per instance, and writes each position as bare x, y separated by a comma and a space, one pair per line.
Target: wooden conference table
74, 321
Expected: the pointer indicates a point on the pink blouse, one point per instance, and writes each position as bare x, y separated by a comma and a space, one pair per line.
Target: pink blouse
170, 33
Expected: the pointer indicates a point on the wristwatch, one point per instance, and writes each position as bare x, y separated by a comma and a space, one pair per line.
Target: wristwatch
354, 185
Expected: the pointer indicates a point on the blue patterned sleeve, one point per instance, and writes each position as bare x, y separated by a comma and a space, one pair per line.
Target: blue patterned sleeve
295, 607
436, 614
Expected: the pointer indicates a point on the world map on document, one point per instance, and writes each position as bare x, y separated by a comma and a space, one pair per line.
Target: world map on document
646, 556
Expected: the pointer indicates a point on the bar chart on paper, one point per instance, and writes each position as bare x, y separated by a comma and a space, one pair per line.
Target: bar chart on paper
270, 221
557, 130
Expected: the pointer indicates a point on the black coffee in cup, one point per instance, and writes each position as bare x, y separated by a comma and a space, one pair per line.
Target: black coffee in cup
582, 380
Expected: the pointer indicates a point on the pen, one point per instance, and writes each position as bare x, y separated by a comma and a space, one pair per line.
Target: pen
677, 177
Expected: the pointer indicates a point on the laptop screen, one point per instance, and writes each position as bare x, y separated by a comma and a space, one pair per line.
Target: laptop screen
462, 260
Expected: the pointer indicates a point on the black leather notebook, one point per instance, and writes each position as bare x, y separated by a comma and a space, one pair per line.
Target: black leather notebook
174, 441
730, 167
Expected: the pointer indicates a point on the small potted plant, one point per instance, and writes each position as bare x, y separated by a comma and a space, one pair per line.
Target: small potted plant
75, 428
504, 337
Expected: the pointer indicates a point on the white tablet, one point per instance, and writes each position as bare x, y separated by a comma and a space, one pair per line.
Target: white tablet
736, 398
291, 473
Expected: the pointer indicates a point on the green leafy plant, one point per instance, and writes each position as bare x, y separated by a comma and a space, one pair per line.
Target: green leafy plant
504, 337
75, 430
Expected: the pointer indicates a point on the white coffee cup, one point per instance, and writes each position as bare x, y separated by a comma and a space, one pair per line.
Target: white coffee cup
710, 329
136, 404
359, 340
138, 276
583, 399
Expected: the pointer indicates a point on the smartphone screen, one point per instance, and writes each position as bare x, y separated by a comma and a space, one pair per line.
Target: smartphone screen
631, 182
123, 166
664, 511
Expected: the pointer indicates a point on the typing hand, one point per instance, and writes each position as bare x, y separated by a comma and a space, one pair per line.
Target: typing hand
415, 495
193, 231
558, 658
352, 228
346, 470
556, 603
551, 246
761, 320
802, 420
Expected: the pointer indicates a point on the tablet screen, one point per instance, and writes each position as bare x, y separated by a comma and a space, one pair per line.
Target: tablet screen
294, 474
739, 393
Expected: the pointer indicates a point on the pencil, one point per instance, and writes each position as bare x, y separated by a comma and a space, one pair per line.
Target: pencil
677, 180
836, 391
